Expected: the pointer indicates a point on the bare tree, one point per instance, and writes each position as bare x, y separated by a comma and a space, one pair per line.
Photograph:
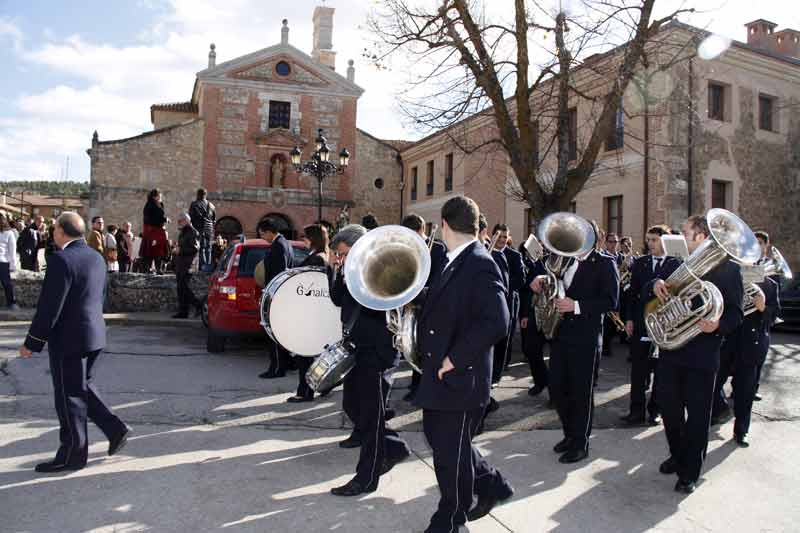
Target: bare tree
469, 63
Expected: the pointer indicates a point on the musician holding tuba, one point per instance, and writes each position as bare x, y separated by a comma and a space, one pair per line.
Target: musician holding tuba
588, 289
465, 313
687, 370
366, 386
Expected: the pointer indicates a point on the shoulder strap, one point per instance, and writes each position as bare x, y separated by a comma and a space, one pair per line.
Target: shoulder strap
348, 327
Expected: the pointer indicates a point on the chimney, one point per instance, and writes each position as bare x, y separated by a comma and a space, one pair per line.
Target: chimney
323, 37
761, 34
285, 32
351, 71
212, 56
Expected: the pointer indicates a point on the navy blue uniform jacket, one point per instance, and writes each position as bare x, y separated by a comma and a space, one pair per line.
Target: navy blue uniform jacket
595, 287
69, 314
702, 352
464, 315
279, 258
751, 339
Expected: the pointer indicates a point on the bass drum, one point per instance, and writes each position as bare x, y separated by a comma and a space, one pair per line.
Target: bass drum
297, 312
331, 366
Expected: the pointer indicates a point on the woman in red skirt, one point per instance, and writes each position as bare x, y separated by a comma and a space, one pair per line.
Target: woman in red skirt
155, 245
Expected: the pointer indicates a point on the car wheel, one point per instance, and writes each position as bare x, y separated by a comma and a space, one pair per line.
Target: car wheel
215, 343
204, 311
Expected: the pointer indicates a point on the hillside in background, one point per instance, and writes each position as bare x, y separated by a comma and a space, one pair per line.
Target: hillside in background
46, 188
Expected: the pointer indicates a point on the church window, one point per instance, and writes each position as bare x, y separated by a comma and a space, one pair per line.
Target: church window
283, 68
279, 113
378, 183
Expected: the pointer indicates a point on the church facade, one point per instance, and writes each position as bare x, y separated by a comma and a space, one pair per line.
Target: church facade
234, 135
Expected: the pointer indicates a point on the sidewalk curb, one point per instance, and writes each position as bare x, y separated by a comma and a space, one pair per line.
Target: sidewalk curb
114, 319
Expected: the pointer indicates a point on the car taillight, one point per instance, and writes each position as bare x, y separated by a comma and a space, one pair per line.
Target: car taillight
229, 293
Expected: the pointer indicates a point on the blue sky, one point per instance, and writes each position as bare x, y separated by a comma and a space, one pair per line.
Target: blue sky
74, 67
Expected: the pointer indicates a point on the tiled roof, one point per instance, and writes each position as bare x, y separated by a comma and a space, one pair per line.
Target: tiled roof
176, 107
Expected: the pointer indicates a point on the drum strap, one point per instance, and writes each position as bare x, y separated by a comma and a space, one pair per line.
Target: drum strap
348, 327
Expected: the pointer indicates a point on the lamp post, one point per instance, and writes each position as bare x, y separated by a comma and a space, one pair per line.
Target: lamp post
319, 165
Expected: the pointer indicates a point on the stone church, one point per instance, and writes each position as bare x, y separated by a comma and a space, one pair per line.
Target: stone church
234, 135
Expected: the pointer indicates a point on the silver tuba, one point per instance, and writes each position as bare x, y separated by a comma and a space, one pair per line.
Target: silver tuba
567, 236
773, 265
672, 324
385, 270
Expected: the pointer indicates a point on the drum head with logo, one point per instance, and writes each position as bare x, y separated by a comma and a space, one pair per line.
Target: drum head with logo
298, 314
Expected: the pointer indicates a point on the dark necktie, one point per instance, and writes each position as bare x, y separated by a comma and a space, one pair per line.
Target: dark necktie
657, 265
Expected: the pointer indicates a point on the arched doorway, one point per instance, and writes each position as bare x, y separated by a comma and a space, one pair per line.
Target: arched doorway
228, 227
283, 223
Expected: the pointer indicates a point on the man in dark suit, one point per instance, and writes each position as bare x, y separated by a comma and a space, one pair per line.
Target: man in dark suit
513, 274
367, 385
609, 328
279, 258
643, 271
416, 223
464, 315
28, 244
740, 355
533, 339
69, 317
686, 376
187, 248
592, 290
516, 283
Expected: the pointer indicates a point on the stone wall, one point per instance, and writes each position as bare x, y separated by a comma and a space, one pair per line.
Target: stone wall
376, 160
123, 171
126, 292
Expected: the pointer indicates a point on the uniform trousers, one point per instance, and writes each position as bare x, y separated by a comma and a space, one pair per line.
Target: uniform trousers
641, 367
365, 392
685, 397
186, 298
76, 398
572, 374
461, 470
736, 362
512, 328
303, 364
533, 346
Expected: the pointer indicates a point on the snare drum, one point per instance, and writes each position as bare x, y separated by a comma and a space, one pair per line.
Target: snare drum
297, 312
331, 366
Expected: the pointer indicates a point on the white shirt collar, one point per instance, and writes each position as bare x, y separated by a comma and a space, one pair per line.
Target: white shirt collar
451, 256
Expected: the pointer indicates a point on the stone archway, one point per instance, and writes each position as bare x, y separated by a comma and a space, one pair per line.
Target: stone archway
228, 227
283, 222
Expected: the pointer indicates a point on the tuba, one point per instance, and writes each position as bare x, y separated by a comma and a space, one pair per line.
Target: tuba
773, 265
567, 236
672, 324
385, 270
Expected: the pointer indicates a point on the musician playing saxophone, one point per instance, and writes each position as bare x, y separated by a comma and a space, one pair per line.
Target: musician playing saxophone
367, 384
592, 290
686, 375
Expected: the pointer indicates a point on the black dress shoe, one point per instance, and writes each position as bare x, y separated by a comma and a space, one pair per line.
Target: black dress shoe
353, 441
741, 440
654, 420
352, 488
573, 456
670, 466
563, 445
492, 406
51, 467
536, 390
115, 445
685, 487
487, 502
388, 464
631, 420
272, 374
299, 399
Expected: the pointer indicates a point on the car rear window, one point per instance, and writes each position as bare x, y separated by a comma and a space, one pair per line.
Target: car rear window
249, 259
300, 255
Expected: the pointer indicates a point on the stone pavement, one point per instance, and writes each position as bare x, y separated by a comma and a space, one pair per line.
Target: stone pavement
217, 448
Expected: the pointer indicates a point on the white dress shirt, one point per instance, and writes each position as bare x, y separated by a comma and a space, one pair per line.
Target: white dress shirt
653, 262
8, 249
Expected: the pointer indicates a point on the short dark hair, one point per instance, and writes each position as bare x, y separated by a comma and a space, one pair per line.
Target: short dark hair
268, 225
71, 224
763, 235
611, 234
112, 228
482, 222
499, 227
96, 218
413, 222
318, 235
369, 221
201, 193
153, 193
659, 229
700, 224
626, 238
461, 213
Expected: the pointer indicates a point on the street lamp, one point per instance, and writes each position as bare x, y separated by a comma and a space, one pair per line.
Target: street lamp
319, 165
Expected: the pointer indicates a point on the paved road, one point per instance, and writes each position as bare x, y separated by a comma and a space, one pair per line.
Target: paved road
217, 448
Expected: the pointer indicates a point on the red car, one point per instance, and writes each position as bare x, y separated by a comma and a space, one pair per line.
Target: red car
233, 296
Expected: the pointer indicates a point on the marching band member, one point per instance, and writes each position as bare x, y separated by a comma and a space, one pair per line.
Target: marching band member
764, 242
609, 329
465, 313
279, 259
533, 339
438, 259
686, 376
366, 385
512, 271
592, 290
643, 271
